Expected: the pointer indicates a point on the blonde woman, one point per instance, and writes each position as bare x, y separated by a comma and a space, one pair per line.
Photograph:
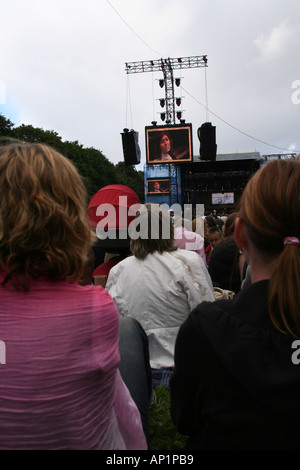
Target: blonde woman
60, 387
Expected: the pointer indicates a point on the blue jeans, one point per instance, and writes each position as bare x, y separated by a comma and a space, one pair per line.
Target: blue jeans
135, 366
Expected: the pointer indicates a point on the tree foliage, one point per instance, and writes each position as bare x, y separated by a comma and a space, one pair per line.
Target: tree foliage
95, 168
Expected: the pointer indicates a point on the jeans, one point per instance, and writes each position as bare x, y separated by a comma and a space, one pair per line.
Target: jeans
135, 366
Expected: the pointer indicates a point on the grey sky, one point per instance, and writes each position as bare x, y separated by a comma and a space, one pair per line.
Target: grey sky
62, 68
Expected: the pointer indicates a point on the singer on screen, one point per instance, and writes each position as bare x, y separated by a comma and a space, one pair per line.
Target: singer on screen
165, 152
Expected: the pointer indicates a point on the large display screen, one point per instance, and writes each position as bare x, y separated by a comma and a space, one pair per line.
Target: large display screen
169, 144
158, 185
222, 198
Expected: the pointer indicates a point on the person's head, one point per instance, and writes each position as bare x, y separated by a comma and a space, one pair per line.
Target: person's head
269, 213
110, 211
44, 229
228, 228
164, 142
214, 236
157, 231
156, 186
209, 222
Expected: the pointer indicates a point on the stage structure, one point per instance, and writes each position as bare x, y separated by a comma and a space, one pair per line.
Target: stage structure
169, 179
168, 170
167, 66
217, 185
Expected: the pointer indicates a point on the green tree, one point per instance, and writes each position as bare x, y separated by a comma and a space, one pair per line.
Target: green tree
132, 178
95, 168
28, 133
6, 127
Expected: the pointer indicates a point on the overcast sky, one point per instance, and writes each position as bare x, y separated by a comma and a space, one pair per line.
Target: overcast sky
62, 68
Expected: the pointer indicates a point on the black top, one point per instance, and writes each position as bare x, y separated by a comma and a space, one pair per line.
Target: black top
235, 385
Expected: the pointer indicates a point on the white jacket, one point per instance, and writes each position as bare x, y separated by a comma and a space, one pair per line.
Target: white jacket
159, 292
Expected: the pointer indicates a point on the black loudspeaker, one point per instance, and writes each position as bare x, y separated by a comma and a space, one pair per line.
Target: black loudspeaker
207, 137
131, 148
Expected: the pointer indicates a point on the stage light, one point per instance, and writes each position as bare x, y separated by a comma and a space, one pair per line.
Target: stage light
177, 81
161, 83
162, 102
179, 114
154, 123
178, 101
163, 116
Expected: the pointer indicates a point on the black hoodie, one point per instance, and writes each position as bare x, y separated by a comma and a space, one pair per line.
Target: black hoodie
235, 385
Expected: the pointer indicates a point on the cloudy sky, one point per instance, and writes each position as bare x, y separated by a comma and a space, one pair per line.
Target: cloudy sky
62, 68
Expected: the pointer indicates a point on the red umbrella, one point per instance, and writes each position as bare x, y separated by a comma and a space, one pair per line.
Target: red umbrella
112, 203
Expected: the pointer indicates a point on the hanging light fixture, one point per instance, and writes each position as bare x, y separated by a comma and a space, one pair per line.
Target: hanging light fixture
163, 116
161, 83
177, 81
162, 102
178, 101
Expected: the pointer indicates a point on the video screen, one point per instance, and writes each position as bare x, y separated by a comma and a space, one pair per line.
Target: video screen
169, 144
222, 198
158, 186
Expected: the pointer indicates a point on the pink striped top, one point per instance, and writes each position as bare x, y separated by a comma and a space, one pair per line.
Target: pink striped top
59, 384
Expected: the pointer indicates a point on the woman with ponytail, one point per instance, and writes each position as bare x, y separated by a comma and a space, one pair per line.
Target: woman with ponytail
241, 357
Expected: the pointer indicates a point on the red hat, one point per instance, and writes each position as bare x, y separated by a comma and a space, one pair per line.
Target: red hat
115, 199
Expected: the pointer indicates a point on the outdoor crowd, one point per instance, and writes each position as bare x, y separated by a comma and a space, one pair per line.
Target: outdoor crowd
98, 308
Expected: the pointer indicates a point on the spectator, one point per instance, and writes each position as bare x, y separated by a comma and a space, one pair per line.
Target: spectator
236, 382
224, 267
158, 286
108, 212
187, 239
113, 207
61, 387
214, 236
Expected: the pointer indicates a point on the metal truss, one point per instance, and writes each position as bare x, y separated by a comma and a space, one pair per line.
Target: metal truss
167, 66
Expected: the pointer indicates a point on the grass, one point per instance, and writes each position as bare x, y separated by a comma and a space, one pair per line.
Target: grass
163, 435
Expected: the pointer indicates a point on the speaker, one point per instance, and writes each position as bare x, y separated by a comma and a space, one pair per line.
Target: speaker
131, 148
207, 137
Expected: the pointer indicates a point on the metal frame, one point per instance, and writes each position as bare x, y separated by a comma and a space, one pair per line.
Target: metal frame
167, 66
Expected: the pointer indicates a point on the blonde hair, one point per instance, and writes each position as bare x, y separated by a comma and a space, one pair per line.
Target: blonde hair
156, 218
44, 230
270, 209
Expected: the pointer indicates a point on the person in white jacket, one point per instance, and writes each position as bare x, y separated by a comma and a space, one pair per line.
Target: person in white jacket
160, 284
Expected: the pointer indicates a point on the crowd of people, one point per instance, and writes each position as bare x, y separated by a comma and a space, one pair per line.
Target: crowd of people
90, 324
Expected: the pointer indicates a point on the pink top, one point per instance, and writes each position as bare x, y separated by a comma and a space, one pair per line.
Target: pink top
60, 387
188, 240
